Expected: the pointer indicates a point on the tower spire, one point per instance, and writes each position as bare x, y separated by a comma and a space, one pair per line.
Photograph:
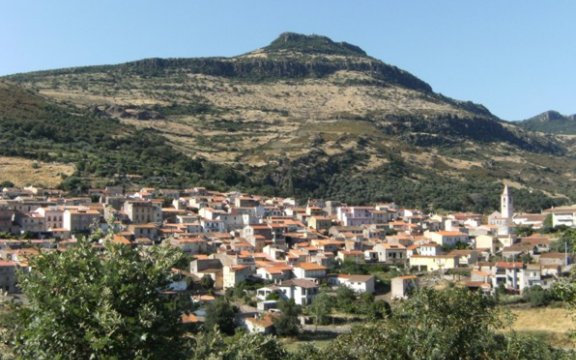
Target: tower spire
506, 204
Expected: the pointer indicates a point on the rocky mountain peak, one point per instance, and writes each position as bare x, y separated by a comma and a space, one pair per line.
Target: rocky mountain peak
312, 44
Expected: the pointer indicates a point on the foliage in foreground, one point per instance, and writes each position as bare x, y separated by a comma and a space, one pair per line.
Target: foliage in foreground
449, 324
83, 303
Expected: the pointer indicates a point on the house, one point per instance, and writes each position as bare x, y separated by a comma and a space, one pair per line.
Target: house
402, 286
275, 272
306, 270
540, 244
355, 256
466, 257
434, 263
301, 290
390, 253
515, 251
358, 283
320, 223
212, 225
234, 275
190, 245
447, 238
429, 249
555, 258
562, 215
80, 219
515, 276
535, 221
360, 215
143, 212
328, 246
487, 242
208, 267
149, 231
53, 216
261, 324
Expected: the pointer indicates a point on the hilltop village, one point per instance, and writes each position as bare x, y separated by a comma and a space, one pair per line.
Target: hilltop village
286, 250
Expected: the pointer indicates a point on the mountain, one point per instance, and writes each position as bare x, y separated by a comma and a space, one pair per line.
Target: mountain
551, 122
303, 116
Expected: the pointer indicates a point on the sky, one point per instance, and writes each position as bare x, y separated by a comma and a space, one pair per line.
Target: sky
516, 57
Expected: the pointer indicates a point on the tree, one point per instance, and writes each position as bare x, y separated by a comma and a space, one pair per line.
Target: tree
243, 346
379, 310
287, 324
221, 315
86, 303
207, 282
345, 298
547, 224
321, 307
6, 184
537, 296
525, 230
449, 324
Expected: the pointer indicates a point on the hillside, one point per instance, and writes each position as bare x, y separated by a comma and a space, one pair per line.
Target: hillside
303, 116
550, 122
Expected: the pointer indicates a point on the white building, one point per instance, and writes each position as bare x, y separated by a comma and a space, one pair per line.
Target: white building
358, 283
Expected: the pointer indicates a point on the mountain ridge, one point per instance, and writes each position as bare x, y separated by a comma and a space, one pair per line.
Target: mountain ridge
550, 121
290, 120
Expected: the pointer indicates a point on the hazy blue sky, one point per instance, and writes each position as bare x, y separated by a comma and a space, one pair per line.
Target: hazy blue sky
516, 57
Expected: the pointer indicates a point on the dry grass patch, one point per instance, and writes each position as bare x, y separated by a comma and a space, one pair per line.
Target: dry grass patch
24, 172
556, 320
551, 324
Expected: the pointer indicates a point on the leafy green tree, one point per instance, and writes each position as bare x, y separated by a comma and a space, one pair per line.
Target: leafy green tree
321, 307
254, 347
207, 282
537, 296
85, 303
524, 230
287, 324
214, 346
566, 242
449, 324
345, 298
352, 267
221, 315
379, 310
547, 224
6, 184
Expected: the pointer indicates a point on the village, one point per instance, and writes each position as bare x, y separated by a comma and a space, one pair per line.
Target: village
286, 250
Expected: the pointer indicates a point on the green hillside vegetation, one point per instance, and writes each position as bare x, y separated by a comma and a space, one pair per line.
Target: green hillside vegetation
100, 146
304, 116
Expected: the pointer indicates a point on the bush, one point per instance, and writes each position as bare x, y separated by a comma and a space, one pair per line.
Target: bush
537, 296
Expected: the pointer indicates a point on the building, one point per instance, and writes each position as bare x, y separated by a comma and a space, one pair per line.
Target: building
434, 263
506, 204
320, 223
402, 286
307, 270
358, 283
391, 253
80, 219
301, 290
235, 274
447, 238
143, 212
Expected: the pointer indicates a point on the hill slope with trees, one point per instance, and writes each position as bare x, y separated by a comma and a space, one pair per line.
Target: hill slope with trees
304, 116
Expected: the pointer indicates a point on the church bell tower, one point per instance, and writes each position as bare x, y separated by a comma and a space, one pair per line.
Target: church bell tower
506, 204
